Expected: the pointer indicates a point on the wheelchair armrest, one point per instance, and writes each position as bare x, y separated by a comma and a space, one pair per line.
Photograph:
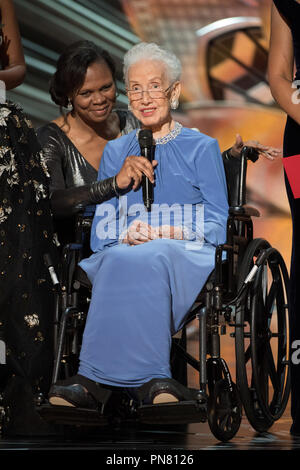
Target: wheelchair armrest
244, 210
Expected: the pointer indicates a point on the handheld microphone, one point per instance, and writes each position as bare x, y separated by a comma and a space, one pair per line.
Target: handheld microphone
145, 141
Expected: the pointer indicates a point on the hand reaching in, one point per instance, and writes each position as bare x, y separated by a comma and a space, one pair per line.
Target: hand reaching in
271, 153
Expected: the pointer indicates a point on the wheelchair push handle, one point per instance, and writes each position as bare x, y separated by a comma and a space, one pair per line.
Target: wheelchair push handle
247, 153
251, 153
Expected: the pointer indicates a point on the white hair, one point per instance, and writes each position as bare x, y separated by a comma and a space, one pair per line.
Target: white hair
151, 51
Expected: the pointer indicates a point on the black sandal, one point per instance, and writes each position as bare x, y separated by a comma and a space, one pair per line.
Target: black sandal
79, 391
158, 391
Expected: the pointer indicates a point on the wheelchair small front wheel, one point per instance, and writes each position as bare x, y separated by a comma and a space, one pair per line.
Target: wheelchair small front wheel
261, 338
224, 410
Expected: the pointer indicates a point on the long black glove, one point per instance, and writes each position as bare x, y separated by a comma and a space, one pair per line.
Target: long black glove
66, 202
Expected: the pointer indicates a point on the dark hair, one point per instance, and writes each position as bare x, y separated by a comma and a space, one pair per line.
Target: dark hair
71, 69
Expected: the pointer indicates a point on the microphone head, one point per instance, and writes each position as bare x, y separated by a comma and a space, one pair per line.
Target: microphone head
145, 138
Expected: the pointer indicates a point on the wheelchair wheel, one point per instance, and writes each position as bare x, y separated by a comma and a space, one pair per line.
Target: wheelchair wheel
261, 338
225, 411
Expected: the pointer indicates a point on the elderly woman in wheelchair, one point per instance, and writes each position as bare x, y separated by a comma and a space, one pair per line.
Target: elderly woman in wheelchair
151, 259
139, 279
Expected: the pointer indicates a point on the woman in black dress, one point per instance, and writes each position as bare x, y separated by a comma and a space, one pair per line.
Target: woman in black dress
26, 234
284, 52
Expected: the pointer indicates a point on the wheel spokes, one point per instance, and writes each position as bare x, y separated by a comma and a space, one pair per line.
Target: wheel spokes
271, 298
261, 346
273, 373
269, 368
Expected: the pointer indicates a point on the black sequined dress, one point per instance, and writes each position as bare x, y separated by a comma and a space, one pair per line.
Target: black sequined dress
26, 291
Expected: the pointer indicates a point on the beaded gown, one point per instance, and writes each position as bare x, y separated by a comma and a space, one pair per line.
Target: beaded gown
26, 293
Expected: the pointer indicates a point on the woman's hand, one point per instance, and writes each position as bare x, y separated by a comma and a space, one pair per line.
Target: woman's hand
132, 171
140, 232
268, 152
170, 231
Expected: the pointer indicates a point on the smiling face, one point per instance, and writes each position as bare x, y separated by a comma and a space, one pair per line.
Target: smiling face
152, 108
94, 101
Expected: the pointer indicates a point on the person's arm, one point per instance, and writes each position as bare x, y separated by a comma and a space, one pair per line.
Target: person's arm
66, 202
281, 65
11, 50
69, 201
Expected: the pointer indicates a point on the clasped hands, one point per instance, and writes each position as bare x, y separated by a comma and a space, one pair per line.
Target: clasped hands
140, 232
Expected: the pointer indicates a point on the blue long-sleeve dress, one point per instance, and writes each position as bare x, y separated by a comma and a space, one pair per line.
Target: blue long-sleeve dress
142, 294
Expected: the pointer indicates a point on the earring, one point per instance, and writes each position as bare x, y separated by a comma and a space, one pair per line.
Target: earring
129, 107
69, 104
174, 103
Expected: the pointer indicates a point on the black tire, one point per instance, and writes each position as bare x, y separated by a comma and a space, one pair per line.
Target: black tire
261, 338
225, 411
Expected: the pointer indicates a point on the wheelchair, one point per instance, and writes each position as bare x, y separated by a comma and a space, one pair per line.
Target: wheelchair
247, 293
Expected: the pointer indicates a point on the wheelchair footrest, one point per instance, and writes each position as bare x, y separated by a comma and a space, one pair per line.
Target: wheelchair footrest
183, 412
72, 416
